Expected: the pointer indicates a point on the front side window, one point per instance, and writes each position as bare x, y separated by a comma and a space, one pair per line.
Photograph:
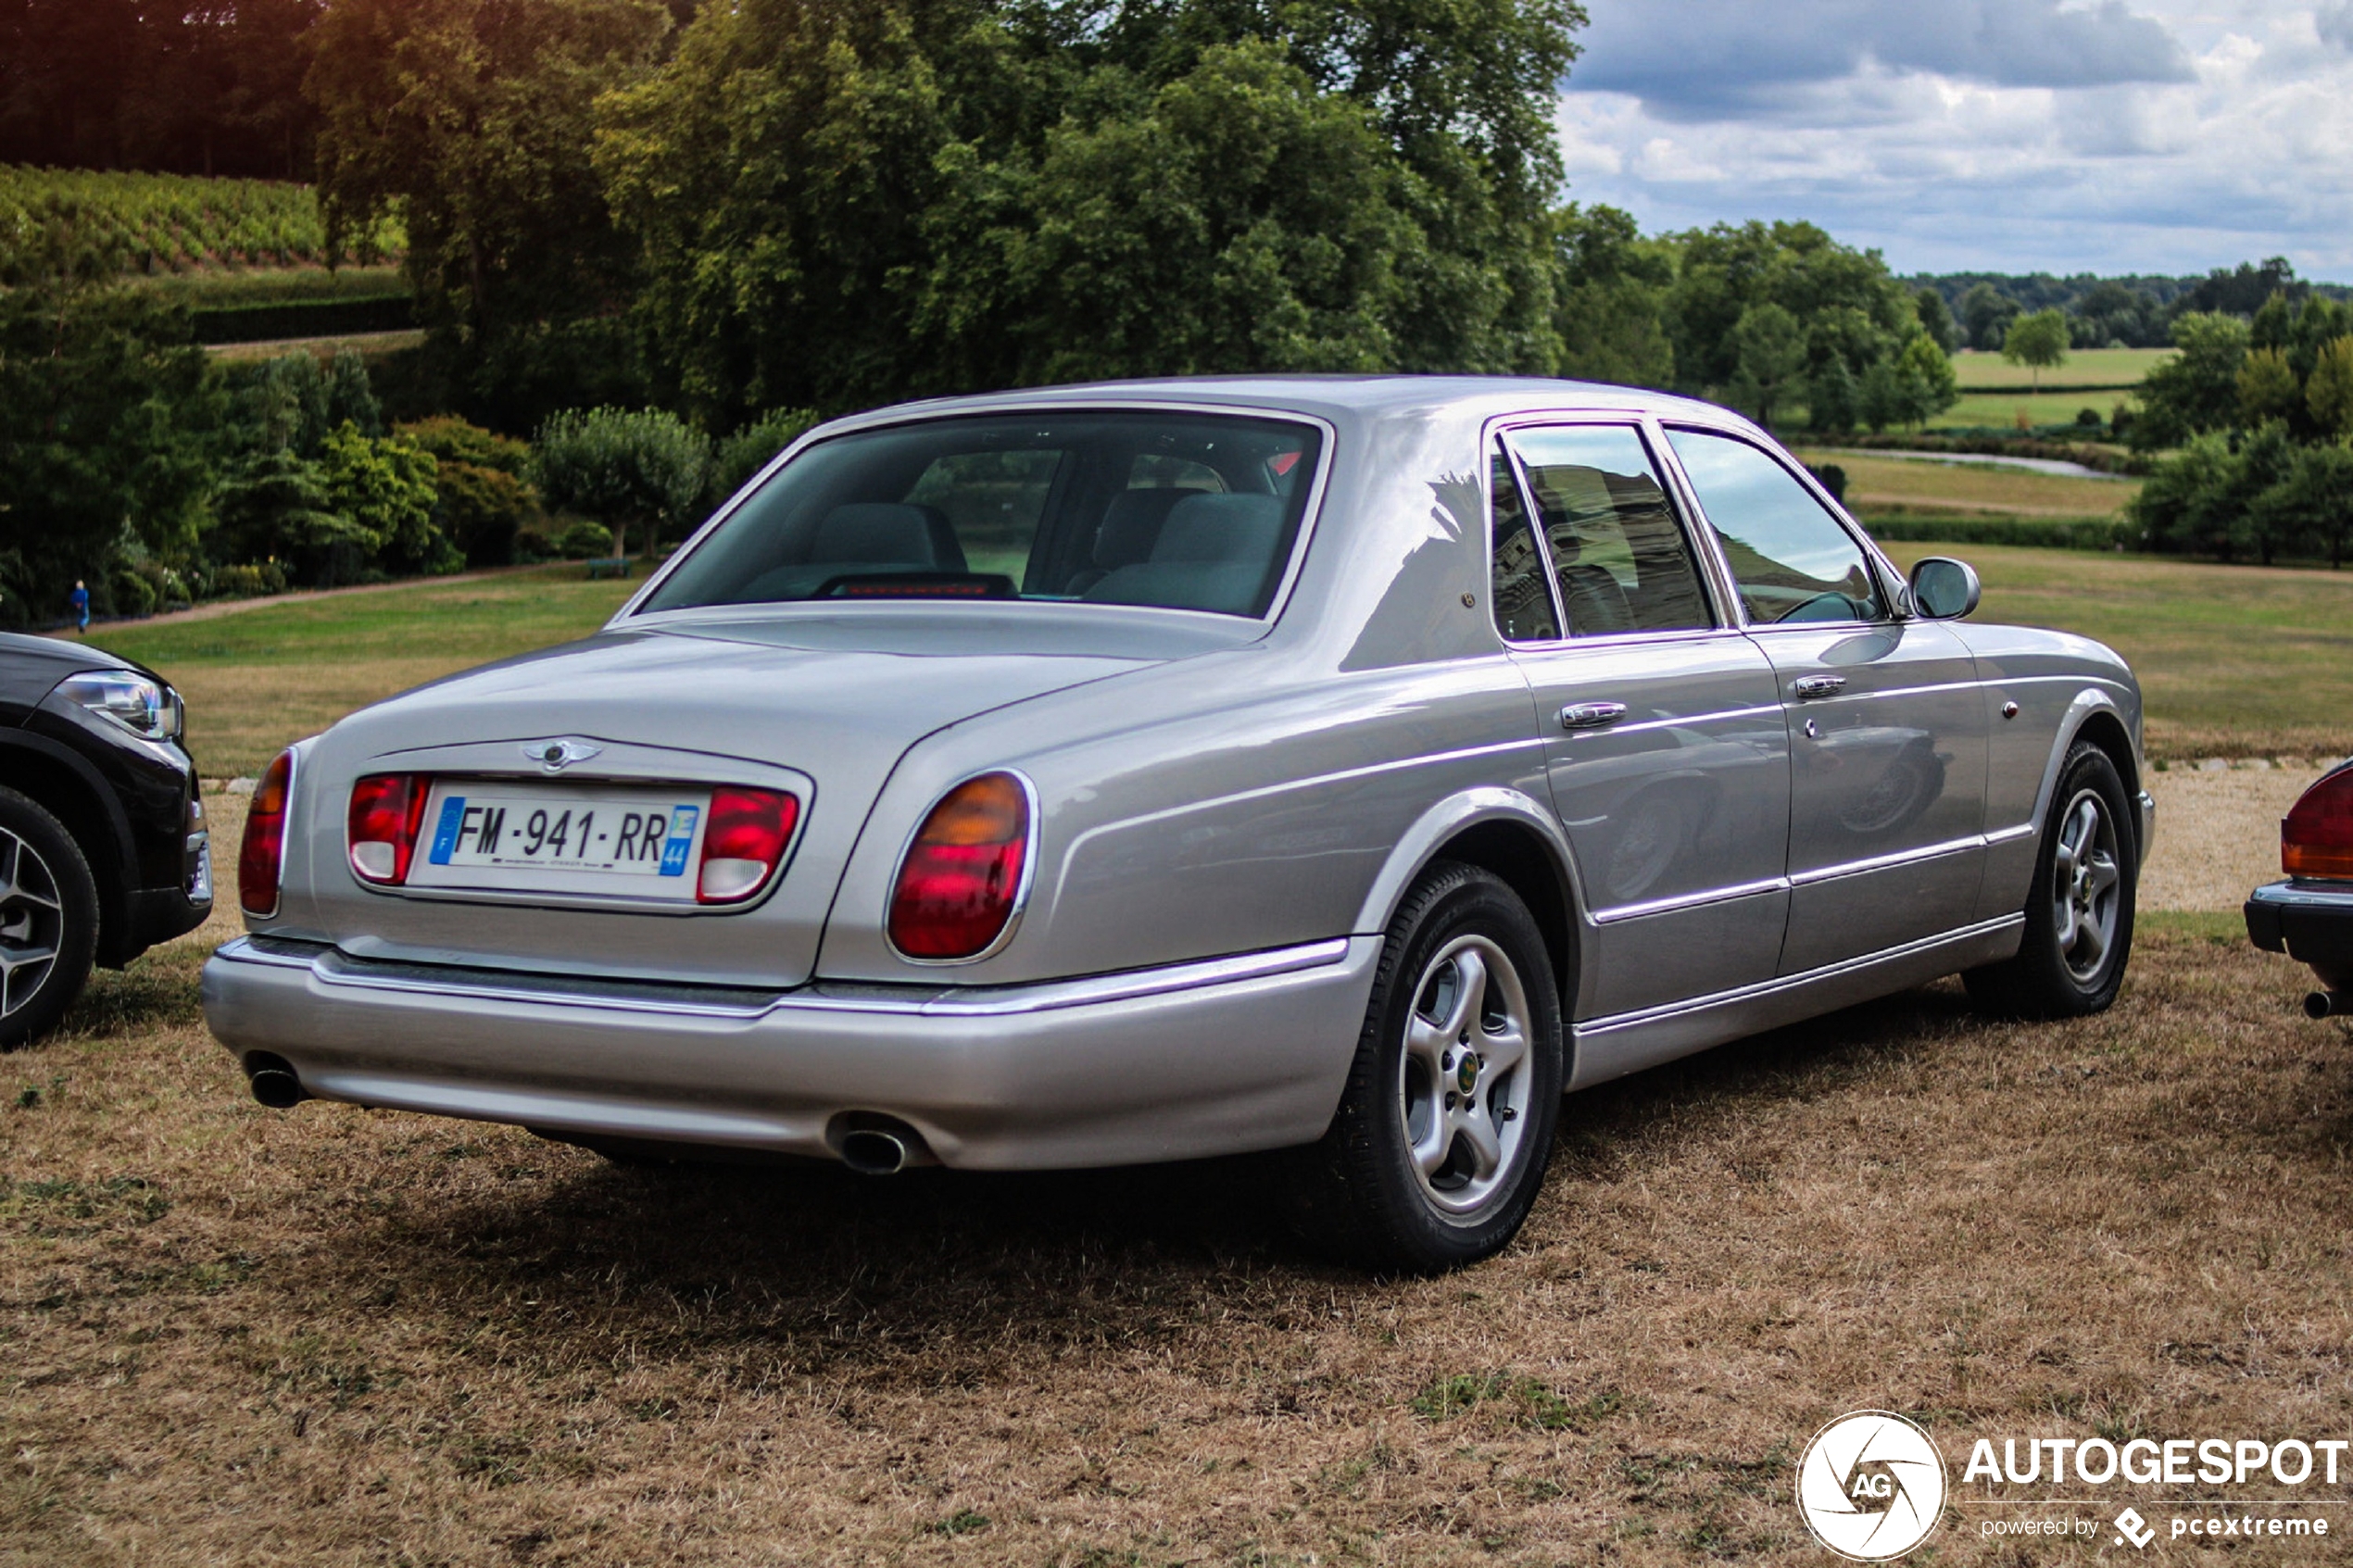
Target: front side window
1184, 511
1793, 562
1619, 556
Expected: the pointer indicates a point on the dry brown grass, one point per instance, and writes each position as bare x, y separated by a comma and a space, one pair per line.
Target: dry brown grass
336, 1335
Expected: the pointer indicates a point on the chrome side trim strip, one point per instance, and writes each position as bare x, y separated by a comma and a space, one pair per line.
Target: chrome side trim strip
1618, 1022
1882, 862
1691, 900
330, 966
2023, 830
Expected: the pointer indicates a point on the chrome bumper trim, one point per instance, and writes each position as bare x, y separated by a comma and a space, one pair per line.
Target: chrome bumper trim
331, 966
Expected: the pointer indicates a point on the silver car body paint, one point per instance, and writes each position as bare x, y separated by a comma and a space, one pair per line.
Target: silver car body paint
1228, 812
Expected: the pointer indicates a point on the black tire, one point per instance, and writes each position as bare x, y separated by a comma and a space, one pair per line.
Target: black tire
48, 903
1360, 1192
2055, 974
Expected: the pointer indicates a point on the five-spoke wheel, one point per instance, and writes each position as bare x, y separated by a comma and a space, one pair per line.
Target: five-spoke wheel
2079, 918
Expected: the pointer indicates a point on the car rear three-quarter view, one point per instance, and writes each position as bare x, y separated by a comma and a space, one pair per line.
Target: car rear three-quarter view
1100, 776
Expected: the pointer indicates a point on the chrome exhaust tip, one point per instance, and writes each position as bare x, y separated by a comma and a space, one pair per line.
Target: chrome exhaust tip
273, 1080
872, 1153
2329, 1004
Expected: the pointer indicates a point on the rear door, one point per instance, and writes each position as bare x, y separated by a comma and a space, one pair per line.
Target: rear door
1887, 729
1664, 745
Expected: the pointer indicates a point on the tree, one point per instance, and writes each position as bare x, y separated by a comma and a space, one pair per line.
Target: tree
642, 470
1772, 357
2197, 389
1986, 313
472, 119
2312, 505
2268, 387
1611, 310
2328, 392
2039, 340
384, 486
839, 206
1936, 320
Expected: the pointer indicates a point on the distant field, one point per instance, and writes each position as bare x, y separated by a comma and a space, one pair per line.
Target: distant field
219, 289
170, 223
1914, 486
1977, 408
2236, 661
2084, 367
260, 678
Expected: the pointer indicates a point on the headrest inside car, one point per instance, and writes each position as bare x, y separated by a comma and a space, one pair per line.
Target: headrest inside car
1224, 529
893, 532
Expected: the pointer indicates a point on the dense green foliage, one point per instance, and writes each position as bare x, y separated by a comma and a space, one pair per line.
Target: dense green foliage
642, 472
2259, 410
2124, 312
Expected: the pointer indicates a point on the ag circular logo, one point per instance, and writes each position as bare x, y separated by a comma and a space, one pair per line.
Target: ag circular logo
1872, 1486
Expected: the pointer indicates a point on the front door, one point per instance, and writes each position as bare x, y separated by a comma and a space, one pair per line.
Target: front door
1665, 745
1887, 729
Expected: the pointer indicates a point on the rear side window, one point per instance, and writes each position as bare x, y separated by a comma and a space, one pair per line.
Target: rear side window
1619, 554
1522, 596
1183, 512
1793, 562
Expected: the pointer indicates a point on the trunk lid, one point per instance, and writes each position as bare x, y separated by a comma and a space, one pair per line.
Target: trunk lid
823, 707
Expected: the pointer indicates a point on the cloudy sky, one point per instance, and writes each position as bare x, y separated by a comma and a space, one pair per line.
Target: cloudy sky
2001, 135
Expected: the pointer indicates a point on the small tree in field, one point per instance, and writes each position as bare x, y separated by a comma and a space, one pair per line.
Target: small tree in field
2039, 340
628, 469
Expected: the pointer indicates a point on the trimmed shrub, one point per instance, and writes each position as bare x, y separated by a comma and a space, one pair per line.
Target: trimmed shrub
641, 473
583, 540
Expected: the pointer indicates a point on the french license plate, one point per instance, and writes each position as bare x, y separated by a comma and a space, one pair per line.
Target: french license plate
642, 843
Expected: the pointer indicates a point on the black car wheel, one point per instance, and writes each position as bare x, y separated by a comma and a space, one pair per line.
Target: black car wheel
1445, 1130
2078, 909
48, 920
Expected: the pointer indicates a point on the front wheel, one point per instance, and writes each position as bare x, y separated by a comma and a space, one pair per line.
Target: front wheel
2079, 912
1440, 1144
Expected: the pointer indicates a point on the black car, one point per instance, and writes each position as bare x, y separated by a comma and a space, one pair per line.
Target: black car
103, 848
2309, 917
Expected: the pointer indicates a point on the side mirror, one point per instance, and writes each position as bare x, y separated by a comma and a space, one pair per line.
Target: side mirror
1944, 589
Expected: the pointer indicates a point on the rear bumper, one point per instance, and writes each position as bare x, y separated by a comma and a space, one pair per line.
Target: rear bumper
2311, 921
1219, 1056
2146, 804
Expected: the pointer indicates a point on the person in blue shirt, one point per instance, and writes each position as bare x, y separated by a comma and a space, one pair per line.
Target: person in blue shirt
80, 602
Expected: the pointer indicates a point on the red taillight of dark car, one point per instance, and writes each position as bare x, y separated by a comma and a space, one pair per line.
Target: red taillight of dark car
263, 853
2317, 837
961, 882
386, 809
742, 842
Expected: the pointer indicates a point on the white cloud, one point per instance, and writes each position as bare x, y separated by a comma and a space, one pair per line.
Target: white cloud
2001, 134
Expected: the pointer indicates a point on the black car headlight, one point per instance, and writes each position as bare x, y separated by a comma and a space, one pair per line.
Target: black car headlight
145, 707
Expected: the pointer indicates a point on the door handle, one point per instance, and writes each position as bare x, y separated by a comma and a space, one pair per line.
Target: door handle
1812, 687
1592, 715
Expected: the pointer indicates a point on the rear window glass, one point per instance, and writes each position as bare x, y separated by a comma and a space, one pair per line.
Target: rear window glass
1182, 512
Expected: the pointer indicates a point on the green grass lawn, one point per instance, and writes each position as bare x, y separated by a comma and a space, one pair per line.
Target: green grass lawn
2084, 367
1914, 486
1978, 410
2235, 660
259, 678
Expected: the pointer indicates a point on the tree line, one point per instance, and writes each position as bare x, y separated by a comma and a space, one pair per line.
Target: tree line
2133, 311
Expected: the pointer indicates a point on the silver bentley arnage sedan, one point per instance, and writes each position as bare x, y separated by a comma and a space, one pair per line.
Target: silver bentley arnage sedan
1105, 774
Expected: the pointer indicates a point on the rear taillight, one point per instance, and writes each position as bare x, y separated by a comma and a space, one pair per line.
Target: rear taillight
742, 842
263, 853
386, 811
2317, 837
962, 879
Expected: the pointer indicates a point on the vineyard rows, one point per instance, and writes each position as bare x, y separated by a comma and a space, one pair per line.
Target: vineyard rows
164, 223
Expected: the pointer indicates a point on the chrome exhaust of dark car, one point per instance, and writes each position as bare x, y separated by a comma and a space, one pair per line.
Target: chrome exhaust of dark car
2329, 1004
273, 1080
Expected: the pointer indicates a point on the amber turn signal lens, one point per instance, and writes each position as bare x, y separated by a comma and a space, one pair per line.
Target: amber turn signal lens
2316, 840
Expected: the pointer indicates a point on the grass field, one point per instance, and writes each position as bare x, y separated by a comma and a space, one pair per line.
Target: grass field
1980, 409
262, 677
343, 1337
2104, 367
1916, 487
